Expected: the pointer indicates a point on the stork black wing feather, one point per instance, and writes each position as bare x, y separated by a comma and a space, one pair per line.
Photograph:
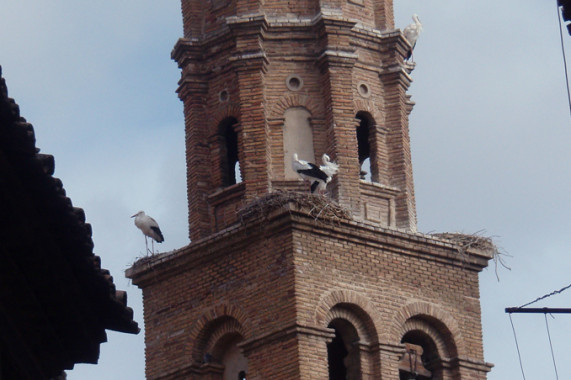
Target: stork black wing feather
314, 172
314, 186
157, 230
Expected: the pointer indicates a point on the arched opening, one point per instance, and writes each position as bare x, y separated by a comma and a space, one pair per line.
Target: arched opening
229, 163
421, 361
227, 353
364, 146
343, 356
336, 354
218, 349
297, 138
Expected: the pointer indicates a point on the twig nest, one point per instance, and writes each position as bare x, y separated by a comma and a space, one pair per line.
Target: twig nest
319, 207
467, 241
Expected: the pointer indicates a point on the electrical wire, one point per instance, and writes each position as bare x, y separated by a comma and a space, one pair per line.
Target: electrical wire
517, 347
564, 59
545, 296
551, 346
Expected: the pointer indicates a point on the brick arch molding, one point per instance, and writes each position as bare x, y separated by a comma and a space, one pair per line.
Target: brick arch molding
367, 106
351, 306
445, 343
228, 326
225, 111
293, 100
205, 327
436, 321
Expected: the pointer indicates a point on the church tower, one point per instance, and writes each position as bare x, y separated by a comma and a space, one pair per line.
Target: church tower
278, 283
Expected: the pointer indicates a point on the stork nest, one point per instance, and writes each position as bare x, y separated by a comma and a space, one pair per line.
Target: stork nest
467, 241
476, 241
320, 207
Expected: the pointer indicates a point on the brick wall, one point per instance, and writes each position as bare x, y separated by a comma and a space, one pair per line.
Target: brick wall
283, 279
283, 285
335, 52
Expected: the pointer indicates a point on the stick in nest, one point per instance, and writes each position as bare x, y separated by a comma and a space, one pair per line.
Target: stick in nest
477, 241
320, 207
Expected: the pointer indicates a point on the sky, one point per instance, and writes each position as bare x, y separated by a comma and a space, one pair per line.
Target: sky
490, 136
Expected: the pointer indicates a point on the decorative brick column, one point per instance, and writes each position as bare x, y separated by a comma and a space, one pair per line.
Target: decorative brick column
192, 90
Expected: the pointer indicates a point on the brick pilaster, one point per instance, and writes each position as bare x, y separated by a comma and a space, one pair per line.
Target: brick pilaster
193, 87
396, 81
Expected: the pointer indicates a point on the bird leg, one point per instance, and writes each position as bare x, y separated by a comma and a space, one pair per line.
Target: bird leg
146, 244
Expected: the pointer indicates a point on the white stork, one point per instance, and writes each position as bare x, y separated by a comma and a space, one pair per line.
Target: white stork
310, 172
411, 33
150, 228
329, 168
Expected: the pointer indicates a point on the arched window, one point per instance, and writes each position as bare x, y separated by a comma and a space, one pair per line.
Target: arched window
421, 359
227, 352
218, 345
297, 138
364, 145
343, 354
229, 163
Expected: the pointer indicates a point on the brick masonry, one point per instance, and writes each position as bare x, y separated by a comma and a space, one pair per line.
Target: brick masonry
335, 50
283, 285
282, 279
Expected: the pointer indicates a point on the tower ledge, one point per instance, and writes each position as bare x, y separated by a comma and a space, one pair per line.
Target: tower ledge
314, 215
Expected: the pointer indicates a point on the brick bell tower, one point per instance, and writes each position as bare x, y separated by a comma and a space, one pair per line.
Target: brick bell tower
278, 283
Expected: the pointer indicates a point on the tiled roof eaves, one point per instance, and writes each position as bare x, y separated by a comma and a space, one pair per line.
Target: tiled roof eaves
17, 140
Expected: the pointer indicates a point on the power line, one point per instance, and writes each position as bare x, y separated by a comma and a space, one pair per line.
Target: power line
551, 346
545, 296
517, 347
564, 59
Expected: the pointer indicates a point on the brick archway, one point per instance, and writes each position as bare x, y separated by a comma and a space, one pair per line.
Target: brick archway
364, 105
225, 111
214, 323
432, 320
352, 307
293, 100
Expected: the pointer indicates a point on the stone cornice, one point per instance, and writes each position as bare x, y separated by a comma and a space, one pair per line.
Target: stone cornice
249, 61
337, 58
396, 349
277, 28
288, 217
194, 84
396, 74
470, 364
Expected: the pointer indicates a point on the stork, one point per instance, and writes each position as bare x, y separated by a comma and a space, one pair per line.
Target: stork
329, 168
150, 228
310, 172
411, 33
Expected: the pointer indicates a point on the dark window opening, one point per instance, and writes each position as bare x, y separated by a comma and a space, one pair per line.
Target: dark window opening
427, 364
336, 354
343, 353
230, 165
364, 146
242, 375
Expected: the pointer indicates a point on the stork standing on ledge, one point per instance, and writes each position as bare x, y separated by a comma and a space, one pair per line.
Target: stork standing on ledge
411, 33
150, 228
318, 176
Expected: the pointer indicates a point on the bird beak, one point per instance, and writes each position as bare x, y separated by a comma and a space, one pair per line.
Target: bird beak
134, 216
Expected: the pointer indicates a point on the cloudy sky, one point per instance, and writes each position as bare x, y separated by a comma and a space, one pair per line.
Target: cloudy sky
490, 134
